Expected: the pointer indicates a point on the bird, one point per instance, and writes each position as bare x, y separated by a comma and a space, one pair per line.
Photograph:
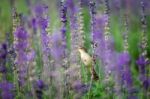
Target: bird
85, 57
88, 61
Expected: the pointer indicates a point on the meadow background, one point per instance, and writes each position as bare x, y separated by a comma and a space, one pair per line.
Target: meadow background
52, 49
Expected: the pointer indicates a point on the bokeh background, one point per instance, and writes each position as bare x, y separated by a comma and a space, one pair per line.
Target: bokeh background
118, 10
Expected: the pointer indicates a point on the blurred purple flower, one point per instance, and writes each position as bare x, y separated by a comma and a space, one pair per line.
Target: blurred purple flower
132, 93
80, 87
3, 69
124, 59
63, 12
98, 36
41, 20
40, 9
71, 6
39, 86
146, 83
3, 58
93, 22
6, 89
124, 69
85, 2
3, 52
21, 34
21, 47
127, 77
63, 16
106, 56
43, 23
72, 12
142, 63
34, 23
116, 5
56, 49
31, 55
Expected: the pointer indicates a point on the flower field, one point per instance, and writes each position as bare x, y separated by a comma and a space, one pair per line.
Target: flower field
75, 49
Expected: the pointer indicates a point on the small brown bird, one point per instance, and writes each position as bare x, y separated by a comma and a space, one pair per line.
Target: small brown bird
88, 61
85, 57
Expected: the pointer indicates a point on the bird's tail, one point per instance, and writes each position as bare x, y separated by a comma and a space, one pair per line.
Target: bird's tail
94, 75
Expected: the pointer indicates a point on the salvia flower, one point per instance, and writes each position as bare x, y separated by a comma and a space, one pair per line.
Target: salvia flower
3, 69
6, 90
63, 15
21, 46
41, 20
3, 59
3, 53
143, 61
40, 9
34, 23
93, 24
80, 87
75, 36
123, 64
56, 48
39, 87
40, 84
146, 83
107, 38
81, 25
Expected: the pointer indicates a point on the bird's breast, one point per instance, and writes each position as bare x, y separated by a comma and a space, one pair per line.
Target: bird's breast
87, 60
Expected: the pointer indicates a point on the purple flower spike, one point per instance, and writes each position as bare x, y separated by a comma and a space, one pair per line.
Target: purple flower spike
6, 88
142, 64
80, 87
142, 61
71, 5
146, 83
63, 12
56, 49
63, 16
3, 51
40, 9
124, 59
34, 23
4, 46
21, 33
21, 47
3, 58
3, 69
43, 23
41, 20
127, 77
124, 69
40, 84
